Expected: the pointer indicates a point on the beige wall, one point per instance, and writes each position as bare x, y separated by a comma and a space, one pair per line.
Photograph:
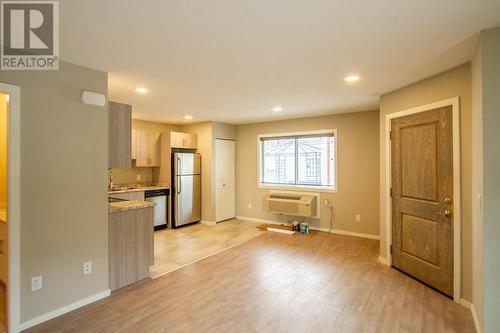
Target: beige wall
490, 67
477, 185
3, 150
358, 170
455, 82
63, 186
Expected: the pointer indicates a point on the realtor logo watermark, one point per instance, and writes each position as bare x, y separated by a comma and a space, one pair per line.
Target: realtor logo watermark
29, 35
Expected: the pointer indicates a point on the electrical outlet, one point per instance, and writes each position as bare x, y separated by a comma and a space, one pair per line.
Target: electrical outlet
87, 267
138, 177
36, 283
249, 205
358, 218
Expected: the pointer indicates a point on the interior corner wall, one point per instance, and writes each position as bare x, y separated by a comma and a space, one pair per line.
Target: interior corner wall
452, 83
477, 188
357, 172
64, 211
490, 67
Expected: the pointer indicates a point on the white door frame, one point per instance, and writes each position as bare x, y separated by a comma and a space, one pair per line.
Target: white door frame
14, 205
457, 184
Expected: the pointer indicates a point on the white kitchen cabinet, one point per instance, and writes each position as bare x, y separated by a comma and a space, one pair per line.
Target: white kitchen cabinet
183, 140
225, 179
146, 148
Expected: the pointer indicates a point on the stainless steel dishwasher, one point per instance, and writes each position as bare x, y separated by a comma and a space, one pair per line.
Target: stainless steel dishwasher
159, 198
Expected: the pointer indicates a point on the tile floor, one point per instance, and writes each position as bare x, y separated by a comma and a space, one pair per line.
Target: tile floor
174, 248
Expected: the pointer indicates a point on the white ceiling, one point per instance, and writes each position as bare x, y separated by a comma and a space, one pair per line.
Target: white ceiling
233, 60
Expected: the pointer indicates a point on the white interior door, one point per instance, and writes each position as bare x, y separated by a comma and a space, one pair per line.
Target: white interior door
225, 156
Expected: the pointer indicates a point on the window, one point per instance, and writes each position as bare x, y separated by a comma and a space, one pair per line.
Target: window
301, 160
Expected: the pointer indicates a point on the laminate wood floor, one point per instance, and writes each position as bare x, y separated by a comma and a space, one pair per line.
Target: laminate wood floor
276, 283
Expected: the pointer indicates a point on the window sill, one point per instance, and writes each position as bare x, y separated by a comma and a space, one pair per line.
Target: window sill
321, 189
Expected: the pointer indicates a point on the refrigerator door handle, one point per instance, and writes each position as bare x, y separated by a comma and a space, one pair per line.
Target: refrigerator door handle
178, 184
179, 170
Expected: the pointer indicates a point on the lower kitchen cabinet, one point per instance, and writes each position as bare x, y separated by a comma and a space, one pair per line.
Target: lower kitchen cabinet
130, 234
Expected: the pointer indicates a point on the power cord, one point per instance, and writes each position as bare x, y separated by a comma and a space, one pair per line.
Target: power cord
330, 205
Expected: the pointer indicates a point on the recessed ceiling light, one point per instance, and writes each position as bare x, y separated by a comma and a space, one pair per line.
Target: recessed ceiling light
352, 78
277, 108
188, 117
141, 90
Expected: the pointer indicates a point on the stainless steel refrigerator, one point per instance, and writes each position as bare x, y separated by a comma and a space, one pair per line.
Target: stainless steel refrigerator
186, 189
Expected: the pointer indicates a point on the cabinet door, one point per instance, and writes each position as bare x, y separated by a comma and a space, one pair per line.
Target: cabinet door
119, 135
142, 158
176, 139
134, 144
191, 141
154, 149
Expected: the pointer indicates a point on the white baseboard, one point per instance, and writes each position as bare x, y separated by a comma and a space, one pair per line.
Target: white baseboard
383, 260
59, 312
334, 231
475, 318
465, 304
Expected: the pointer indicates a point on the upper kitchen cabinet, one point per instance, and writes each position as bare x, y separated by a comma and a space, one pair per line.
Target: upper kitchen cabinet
183, 140
119, 135
146, 149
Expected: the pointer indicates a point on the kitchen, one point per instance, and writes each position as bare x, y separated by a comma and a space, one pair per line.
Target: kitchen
160, 178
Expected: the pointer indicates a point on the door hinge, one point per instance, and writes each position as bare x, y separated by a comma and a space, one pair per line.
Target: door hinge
391, 192
391, 249
390, 135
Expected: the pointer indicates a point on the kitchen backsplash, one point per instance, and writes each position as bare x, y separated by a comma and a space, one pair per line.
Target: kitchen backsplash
129, 176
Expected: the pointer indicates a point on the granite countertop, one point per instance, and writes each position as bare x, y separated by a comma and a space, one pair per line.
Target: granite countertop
120, 206
3, 215
139, 189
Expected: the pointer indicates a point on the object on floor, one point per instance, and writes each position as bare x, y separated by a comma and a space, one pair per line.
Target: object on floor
304, 228
281, 231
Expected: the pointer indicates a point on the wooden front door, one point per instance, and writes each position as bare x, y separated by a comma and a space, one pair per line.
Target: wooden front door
422, 194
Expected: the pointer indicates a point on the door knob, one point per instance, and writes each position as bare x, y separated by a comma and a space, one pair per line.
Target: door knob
447, 200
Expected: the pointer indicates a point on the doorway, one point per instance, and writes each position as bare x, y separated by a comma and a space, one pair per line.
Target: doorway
423, 201
4, 107
10, 99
